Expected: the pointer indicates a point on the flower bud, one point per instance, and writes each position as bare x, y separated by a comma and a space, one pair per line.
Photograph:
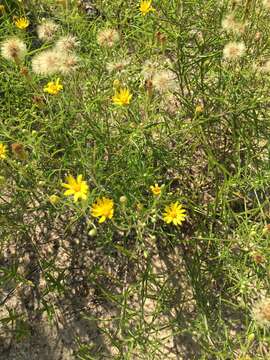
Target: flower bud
92, 232
198, 109
54, 199
116, 84
253, 233
123, 199
266, 229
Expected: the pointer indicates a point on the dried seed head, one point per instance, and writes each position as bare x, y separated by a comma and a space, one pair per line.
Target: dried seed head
266, 4
164, 80
230, 24
38, 101
66, 43
261, 312
161, 38
46, 63
233, 50
149, 69
149, 87
258, 258
24, 71
46, 31
108, 37
13, 49
68, 63
19, 151
117, 66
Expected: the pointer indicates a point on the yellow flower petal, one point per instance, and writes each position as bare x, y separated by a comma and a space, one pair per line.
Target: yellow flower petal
69, 192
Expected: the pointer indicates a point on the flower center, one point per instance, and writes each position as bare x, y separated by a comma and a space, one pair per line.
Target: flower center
173, 214
77, 188
106, 211
124, 99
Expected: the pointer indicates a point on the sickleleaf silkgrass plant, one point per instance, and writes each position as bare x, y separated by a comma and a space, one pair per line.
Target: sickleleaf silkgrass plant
158, 113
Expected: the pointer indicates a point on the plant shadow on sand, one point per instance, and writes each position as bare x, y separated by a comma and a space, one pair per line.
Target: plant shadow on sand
79, 285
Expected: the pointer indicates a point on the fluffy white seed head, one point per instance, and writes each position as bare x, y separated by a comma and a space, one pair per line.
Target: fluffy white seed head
266, 4
149, 69
108, 37
266, 67
261, 312
13, 49
233, 50
117, 65
46, 63
230, 24
46, 31
66, 43
164, 80
68, 63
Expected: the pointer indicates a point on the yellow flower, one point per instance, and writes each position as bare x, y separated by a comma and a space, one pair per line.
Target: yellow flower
3, 151
54, 199
145, 7
53, 88
156, 190
116, 84
22, 23
2, 9
122, 97
103, 208
198, 109
174, 213
76, 187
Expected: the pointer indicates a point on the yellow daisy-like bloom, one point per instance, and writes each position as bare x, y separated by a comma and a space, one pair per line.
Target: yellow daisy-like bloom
122, 97
76, 187
2, 9
198, 109
174, 213
22, 23
146, 7
53, 87
156, 190
3, 151
103, 208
